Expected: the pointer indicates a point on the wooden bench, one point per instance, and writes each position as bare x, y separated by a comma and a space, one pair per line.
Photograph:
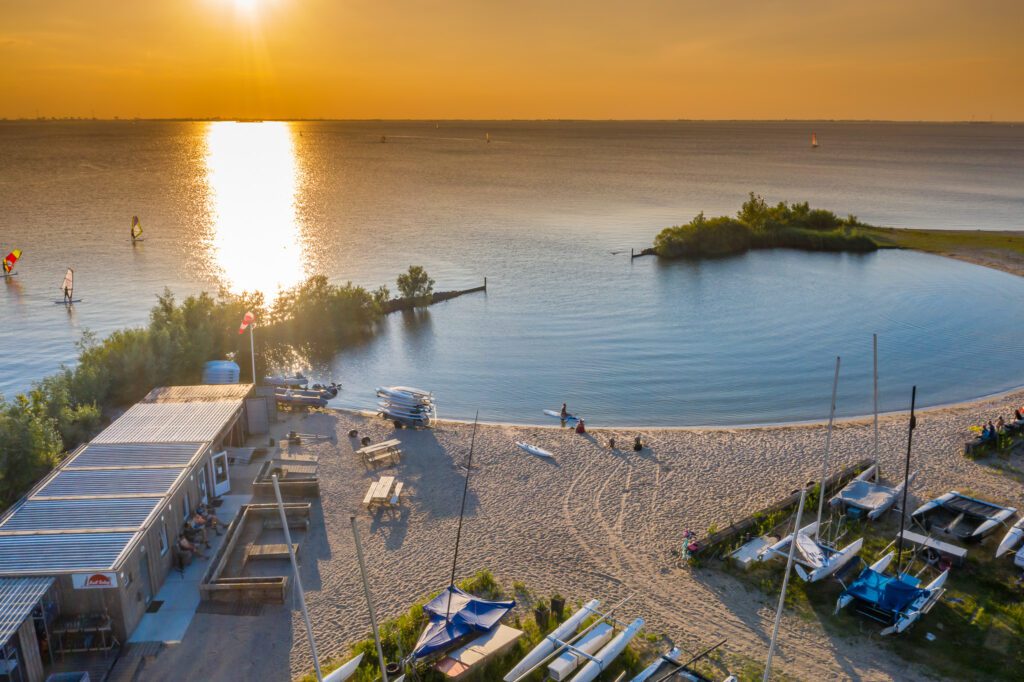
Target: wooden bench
958, 555
255, 552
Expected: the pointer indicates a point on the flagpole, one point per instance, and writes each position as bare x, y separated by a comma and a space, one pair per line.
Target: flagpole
252, 351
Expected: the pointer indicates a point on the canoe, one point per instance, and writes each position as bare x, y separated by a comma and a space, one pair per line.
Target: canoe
562, 633
534, 450
344, 672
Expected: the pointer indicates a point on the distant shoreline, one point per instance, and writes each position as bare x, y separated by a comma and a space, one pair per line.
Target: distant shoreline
246, 119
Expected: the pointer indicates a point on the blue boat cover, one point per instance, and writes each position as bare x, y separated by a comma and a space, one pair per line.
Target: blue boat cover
886, 592
468, 615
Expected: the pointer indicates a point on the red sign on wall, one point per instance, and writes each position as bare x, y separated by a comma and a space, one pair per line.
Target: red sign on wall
94, 581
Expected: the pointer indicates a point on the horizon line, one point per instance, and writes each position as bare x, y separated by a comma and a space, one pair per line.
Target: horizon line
250, 119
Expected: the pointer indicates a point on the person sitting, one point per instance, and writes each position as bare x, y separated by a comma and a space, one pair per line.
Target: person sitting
196, 532
211, 518
1017, 416
187, 547
611, 443
1000, 424
638, 444
580, 427
992, 429
985, 435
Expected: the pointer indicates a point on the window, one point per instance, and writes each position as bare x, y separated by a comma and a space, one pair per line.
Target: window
163, 538
187, 506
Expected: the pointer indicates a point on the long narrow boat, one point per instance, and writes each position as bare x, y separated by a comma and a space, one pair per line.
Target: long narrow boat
548, 645
603, 658
1011, 539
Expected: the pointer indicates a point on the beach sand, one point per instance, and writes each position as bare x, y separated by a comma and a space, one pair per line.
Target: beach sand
593, 523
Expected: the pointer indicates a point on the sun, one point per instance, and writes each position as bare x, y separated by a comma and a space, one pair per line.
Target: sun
247, 6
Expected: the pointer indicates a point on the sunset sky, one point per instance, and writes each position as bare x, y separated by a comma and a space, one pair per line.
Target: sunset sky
914, 59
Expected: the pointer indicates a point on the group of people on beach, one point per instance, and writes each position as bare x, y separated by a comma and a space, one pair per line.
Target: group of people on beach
638, 443
991, 432
193, 532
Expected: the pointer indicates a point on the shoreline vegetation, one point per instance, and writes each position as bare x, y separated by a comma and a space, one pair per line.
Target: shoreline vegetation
758, 225
313, 320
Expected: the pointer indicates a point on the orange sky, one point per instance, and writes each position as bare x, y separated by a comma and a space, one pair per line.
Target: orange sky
898, 59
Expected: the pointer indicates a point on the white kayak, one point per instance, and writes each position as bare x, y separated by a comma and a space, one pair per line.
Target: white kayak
534, 450
558, 415
344, 672
547, 645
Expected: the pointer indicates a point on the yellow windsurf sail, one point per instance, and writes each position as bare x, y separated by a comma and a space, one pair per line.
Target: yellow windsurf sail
136, 228
11, 259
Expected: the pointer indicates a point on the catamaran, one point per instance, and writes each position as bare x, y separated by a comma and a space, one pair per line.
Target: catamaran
897, 601
68, 287
9, 262
136, 229
864, 495
816, 558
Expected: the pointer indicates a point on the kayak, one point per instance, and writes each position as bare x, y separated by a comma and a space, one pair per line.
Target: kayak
558, 415
534, 450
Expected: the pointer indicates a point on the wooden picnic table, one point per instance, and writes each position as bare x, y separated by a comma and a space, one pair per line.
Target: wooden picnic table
380, 452
387, 492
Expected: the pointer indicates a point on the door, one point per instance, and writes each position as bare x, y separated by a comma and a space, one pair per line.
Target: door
221, 480
144, 580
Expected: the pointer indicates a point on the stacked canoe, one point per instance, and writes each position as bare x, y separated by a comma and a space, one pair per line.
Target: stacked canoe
406, 404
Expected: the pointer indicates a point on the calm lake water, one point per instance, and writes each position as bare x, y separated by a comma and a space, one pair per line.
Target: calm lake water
548, 212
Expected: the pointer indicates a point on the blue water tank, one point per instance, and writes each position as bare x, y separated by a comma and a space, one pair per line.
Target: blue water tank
221, 372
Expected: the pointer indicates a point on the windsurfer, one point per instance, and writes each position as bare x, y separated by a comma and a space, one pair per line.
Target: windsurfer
67, 295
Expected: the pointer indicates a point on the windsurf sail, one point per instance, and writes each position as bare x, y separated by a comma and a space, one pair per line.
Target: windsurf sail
136, 228
10, 260
814, 140
68, 285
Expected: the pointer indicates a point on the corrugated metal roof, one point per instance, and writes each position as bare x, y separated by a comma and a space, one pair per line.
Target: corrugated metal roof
135, 455
18, 596
103, 514
109, 482
22, 554
195, 394
170, 423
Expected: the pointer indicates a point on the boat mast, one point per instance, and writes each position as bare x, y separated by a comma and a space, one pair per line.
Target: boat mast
785, 584
906, 483
874, 346
462, 512
828, 449
369, 599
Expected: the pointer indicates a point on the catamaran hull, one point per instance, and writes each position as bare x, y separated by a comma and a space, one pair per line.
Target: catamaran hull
879, 566
344, 672
835, 562
1011, 539
548, 645
605, 656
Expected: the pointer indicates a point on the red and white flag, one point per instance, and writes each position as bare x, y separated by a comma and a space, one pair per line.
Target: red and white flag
246, 321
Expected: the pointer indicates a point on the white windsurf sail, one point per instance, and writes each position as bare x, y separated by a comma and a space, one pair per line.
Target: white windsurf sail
68, 285
136, 227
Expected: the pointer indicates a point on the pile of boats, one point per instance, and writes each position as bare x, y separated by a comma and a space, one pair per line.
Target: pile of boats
408, 405
292, 390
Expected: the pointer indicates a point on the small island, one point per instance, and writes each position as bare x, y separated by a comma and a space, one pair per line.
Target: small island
759, 225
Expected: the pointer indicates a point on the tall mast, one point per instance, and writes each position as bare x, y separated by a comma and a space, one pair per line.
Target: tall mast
785, 584
828, 449
874, 346
906, 479
462, 511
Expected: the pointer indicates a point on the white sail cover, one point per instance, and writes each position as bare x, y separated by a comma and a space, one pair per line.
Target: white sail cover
69, 281
810, 551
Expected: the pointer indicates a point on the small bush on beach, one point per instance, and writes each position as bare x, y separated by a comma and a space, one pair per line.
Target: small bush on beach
758, 225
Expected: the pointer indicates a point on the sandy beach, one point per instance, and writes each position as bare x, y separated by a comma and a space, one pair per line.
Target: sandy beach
595, 522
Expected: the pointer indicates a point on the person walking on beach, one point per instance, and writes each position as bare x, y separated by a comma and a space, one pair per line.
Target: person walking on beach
564, 414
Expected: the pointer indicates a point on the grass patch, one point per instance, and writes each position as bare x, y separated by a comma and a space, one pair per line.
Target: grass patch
978, 623
399, 635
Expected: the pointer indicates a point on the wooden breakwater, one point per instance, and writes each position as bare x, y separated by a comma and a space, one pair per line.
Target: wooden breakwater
397, 304
714, 543
649, 251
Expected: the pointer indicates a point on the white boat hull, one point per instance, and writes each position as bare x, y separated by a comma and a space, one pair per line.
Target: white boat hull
344, 672
1012, 538
534, 450
548, 645
592, 669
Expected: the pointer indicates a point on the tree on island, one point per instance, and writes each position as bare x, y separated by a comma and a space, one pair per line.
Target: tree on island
416, 285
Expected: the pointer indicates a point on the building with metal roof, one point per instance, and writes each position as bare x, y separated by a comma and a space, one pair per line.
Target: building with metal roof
19, 598
101, 527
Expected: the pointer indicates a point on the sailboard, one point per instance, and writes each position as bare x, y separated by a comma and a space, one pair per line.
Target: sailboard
136, 229
68, 286
9, 262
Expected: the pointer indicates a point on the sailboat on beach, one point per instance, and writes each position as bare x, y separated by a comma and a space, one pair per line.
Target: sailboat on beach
68, 287
9, 262
136, 229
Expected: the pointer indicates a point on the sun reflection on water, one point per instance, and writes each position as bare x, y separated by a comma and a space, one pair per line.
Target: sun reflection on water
252, 175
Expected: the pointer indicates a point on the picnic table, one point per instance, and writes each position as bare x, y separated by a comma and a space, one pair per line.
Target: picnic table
384, 451
387, 492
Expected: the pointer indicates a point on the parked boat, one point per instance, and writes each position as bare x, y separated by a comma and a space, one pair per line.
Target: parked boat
871, 498
345, 672
569, 660
299, 397
965, 518
534, 450
407, 404
603, 658
1012, 538
548, 645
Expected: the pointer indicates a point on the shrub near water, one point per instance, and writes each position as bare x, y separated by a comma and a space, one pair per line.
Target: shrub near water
758, 225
